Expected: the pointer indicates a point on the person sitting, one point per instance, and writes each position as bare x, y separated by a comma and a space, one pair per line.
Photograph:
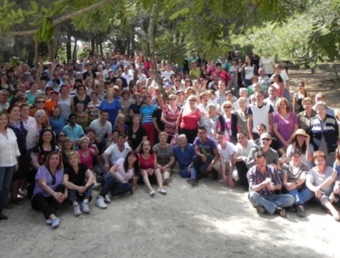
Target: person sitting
225, 165
78, 179
242, 150
320, 180
294, 177
149, 169
102, 128
114, 152
272, 158
165, 157
206, 154
263, 181
121, 178
49, 192
183, 153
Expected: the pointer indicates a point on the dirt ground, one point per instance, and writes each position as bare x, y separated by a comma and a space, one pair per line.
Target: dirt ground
210, 220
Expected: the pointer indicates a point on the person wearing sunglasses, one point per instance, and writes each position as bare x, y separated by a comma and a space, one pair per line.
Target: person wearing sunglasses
271, 155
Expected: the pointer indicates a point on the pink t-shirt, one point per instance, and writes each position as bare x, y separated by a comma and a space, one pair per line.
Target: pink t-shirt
88, 161
190, 120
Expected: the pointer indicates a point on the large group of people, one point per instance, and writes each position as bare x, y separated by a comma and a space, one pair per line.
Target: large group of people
107, 124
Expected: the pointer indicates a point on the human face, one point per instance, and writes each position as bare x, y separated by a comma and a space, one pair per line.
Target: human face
84, 144
146, 147
74, 160
321, 111
132, 159
68, 145
163, 139
259, 97
307, 105
39, 103
47, 136
41, 118
61, 136
3, 121
320, 162
202, 134
296, 158
25, 111
265, 140
261, 163
283, 106
221, 139
15, 113
104, 116
241, 138
227, 108
182, 142
54, 161
120, 141
192, 101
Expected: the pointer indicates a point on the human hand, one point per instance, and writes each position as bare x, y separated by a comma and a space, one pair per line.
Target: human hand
210, 167
82, 189
204, 158
149, 171
106, 167
319, 193
271, 186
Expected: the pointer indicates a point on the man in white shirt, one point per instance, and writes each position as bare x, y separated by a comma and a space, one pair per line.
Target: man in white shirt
168, 72
225, 164
102, 127
114, 152
272, 98
127, 75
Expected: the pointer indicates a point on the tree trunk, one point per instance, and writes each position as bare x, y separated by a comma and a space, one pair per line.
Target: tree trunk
50, 51
74, 57
92, 47
68, 47
101, 46
151, 43
36, 51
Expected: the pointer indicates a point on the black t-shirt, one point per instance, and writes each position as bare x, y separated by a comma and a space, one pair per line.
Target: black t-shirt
158, 115
136, 138
124, 85
76, 178
135, 108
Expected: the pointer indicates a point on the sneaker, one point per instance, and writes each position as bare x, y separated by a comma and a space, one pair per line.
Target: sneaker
48, 221
100, 203
85, 207
152, 193
97, 187
55, 223
192, 182
260, 210
161, 191
167, 181
281, 212
300, 211
76, 209
3, 217
107, 199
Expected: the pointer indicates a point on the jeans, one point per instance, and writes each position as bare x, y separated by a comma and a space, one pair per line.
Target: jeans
110, 184
200, 167
188, 174
301, 197
6, 174
74, 194
271, 202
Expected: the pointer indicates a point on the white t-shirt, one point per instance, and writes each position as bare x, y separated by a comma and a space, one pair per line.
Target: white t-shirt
122, 175
166, 74
267, 64
114, 153
244, 152
227, 152
101, 131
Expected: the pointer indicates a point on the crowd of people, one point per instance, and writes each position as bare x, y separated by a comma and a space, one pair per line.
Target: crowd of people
107, 124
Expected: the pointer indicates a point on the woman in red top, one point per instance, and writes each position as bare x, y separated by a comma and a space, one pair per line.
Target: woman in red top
189, 118
149, 172
169, 116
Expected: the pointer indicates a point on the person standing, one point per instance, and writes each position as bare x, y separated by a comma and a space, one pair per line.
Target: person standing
9, 151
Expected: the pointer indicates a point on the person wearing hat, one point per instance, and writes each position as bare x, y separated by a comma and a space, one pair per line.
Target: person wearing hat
324, 132
51, 103
294, 177
301, 142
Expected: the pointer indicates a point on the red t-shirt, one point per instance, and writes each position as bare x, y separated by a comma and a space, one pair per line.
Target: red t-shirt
190, 121
147, 163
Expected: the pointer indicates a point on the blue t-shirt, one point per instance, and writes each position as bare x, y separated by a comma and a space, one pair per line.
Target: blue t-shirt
207, 148
57, 124
146, 112
337, 168
112, 108
184, 158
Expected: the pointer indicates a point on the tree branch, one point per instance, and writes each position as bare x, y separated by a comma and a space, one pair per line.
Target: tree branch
60, 19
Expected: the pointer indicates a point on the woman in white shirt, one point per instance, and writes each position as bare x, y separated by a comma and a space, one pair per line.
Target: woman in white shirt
121, 178
9, 152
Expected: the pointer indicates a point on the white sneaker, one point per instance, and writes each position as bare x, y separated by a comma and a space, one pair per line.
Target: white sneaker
100, 203
85, 207
76, 209
107, 199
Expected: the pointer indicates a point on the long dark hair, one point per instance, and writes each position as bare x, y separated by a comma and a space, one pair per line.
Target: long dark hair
141, 151
136, 168
303, 148
40, 142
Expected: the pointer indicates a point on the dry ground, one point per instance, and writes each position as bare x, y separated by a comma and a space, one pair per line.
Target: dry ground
208, 221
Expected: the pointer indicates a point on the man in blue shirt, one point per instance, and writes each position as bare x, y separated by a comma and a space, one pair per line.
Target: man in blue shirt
72, 129
183, 153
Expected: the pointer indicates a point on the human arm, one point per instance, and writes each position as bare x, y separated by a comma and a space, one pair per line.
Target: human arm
199, 154
250, 126
318, 189
278, 134
154, 122
106, 165
294, 102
